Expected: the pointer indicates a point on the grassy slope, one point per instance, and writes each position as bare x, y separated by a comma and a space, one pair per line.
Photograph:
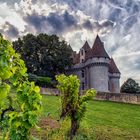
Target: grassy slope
114, 120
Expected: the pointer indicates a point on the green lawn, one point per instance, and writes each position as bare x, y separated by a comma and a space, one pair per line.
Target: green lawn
109, 120
103, 121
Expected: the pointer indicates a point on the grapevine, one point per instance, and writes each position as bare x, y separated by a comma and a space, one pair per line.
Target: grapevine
20, 100
73, 105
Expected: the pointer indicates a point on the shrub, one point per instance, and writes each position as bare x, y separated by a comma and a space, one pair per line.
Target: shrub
40, 80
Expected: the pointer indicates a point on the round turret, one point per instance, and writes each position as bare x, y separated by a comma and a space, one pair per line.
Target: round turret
99, 66
114, 77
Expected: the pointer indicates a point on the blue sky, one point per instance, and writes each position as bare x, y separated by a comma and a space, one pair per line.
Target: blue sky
116, 21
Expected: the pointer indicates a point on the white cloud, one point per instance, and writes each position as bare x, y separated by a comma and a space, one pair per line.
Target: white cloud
7, 14
121, 37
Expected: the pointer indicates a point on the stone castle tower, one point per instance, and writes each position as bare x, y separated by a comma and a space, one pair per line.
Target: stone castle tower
95, 68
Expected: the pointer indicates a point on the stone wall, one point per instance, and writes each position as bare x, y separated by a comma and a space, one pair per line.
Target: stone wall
116, 97
49, 91
119, 97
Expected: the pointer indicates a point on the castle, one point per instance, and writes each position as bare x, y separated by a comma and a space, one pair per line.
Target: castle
95, 68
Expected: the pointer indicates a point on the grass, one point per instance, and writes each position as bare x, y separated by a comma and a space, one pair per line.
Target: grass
109, 120
103, 120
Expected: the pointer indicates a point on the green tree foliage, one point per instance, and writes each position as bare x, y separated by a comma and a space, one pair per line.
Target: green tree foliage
73, 105
20, 100
130, 86
44, 55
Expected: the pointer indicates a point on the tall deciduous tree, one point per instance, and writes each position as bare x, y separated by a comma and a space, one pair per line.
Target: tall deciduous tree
130, 86
44, 55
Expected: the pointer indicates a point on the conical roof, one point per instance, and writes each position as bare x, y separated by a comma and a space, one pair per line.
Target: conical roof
112, 67
86, 46
98, 49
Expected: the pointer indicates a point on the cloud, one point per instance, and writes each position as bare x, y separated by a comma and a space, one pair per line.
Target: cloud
116, 21
88, 25
37, 21
56, 22
11, 22
61, 22
10, 31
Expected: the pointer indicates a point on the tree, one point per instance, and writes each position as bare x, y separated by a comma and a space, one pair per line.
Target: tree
20, 100
130, 86
73, 105
44, 55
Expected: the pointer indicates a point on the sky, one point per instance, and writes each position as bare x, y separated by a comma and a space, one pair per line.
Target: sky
117, 22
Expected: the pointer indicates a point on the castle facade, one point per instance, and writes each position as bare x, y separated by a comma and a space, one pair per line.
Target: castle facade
95, 68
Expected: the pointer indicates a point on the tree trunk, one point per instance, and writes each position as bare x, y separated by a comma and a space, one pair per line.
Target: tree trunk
74, 128
63, 114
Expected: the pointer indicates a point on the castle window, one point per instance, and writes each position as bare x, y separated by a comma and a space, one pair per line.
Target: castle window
83, 85
82, 60
82, 52
83, 73
109, 86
